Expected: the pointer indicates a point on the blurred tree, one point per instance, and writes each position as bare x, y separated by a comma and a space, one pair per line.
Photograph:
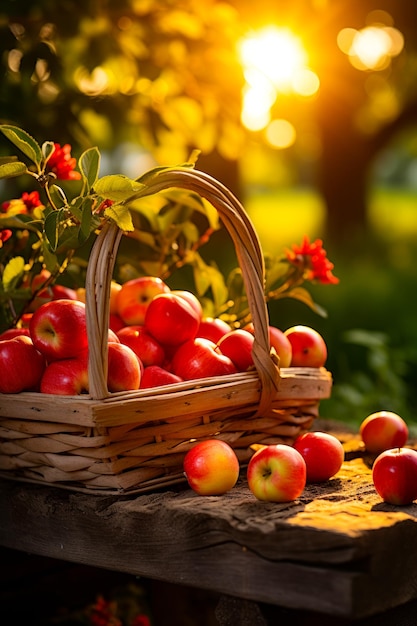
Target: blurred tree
160, 73
165, 74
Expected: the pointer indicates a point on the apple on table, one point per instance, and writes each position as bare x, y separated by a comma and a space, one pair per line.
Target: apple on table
383, 430
277, 473
394, 474
211, 467
323, 454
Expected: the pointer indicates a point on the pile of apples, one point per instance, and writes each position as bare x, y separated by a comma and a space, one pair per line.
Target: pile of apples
156, 336
279, 473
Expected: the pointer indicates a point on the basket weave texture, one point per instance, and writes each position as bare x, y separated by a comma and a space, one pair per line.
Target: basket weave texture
137, 440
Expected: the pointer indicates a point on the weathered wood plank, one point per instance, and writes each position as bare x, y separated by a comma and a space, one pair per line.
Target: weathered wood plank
338, 549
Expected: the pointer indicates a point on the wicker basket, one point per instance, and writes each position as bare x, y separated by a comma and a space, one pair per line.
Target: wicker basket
136, 441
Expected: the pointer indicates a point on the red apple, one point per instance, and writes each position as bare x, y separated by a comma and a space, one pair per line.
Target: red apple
279, 341
133, 298
66, 377
198, 358
52, 292
383, 430
112, 336
156, 376
308, 347
211, 467
22, 365
124, 368
323, 454
60, 292
171, 320
213, 328
115, 287
58, 329
115, 322
11, 333
191, 299
277, 473
394, 474
148, 349
237, 345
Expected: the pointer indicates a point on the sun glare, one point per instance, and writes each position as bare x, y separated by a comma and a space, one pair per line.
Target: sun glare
274, 62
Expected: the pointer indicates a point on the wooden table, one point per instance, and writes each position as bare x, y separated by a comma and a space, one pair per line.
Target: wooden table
337, 551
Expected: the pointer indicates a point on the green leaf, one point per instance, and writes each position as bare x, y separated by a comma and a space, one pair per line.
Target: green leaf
117, 187
48, 148
58, 196
190, 232
24, 142
13, 271
51, 227
89, 164
209, 277
20, 222
121, 215
86, 221
9, 170
50, 260
301, 294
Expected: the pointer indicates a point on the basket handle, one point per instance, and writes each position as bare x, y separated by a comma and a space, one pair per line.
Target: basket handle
249, 255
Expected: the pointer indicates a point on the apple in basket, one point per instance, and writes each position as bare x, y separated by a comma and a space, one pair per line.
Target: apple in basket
198, 358
22, 365
146, 347
70, 376
277, 473
171, 319
308, 347
323, 454
394, 474
156, 376
58, 329
191, 299
279, 341
237, 345
213, 328
211, 467
133, 299
383, 430
11, 333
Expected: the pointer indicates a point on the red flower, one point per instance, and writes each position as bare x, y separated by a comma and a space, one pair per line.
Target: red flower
104, 205
5, 235
102, 614
312, 258
62, 164
141, 620
25, 204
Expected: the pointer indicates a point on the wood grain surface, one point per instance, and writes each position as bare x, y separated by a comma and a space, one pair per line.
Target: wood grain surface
338, 549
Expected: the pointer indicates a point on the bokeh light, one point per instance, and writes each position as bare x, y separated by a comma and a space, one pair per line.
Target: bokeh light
372, 47
280, 134
274, 62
